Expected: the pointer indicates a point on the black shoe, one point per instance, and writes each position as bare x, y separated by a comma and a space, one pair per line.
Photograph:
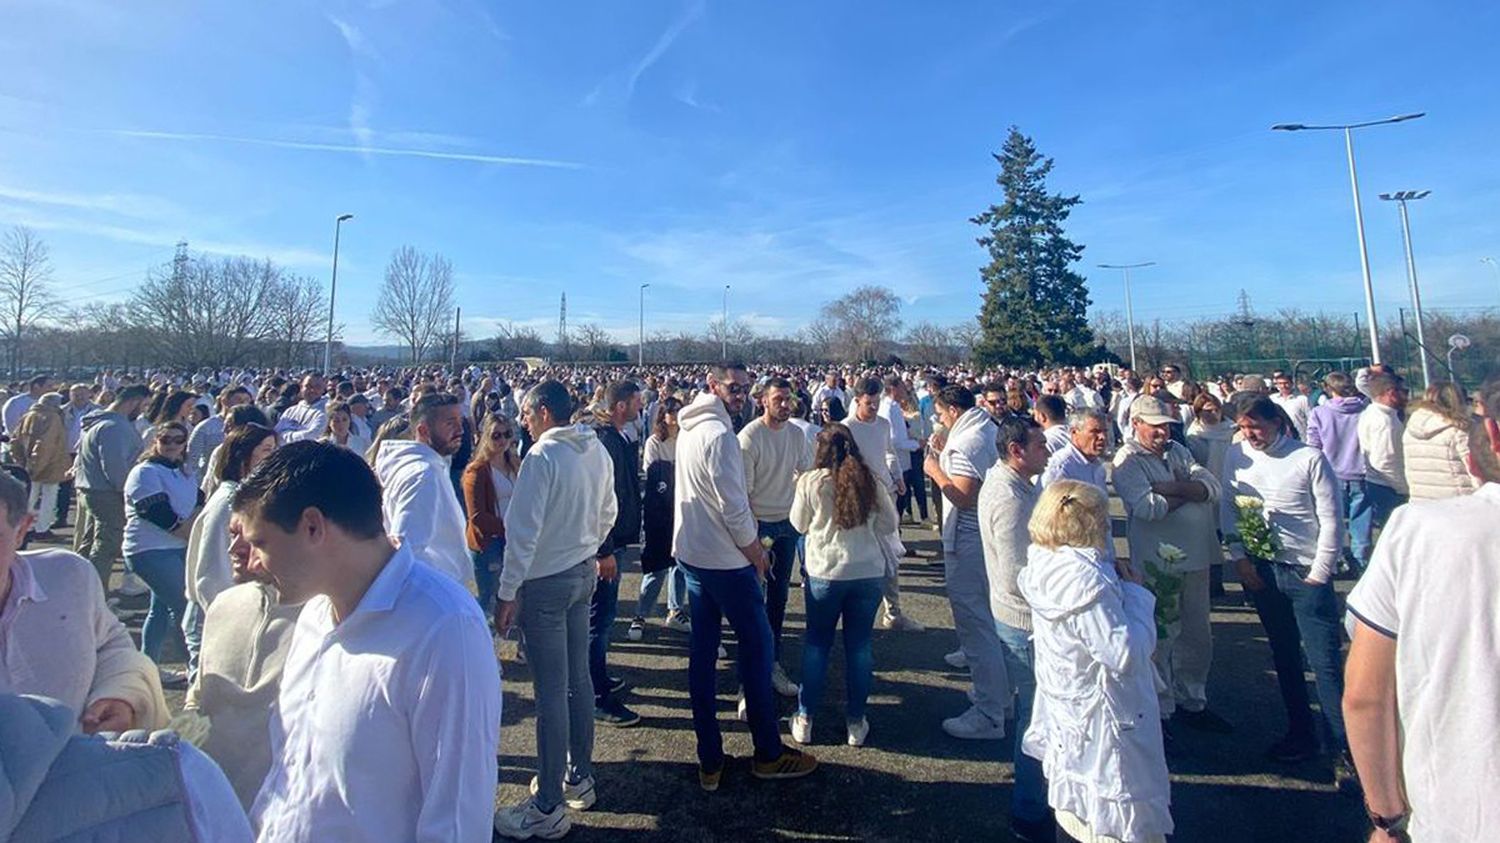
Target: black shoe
614, 713
1031, 831
1203, 721
1292, 750
617, 685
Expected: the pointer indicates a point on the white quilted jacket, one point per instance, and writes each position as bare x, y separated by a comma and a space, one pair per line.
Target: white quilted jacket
1434, 451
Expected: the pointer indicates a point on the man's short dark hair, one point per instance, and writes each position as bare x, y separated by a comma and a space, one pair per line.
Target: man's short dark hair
334, 480
778, 382
620, 391
1052, 407
39, 380
133, 392
893, 381
425, 410
867, 386
1013, 431
1380, 383
994, 386
956, 396
15, 497
552, 396
396, 393
721, 371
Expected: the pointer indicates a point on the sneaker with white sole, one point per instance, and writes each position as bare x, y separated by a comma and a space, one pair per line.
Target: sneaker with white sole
637, 629
858, 731
902, 622
783, 685
525, 821
679, 621
579, 795
957, 660
802, 728
974, 725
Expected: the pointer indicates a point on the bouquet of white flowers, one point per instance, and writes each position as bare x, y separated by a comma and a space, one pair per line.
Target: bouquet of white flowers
1164, 581
1255, 531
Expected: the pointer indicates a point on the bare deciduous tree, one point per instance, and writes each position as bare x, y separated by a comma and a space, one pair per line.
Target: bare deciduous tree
592, 342
929, 345
298, 308
25, 288
862, 322
512, 341
416, 300
202, 312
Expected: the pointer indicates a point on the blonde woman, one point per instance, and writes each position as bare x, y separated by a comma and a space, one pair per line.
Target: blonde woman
1435, 444
1096, 722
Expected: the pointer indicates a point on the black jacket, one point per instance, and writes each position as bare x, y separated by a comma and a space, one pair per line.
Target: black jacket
627, 463
659, 518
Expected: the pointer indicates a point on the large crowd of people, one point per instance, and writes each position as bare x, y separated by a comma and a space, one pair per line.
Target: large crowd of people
334, 557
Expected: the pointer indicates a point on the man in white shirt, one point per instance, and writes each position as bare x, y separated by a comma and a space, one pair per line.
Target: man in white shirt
388, 718
1079, 395
80, 403
560, 514
1423, 695
1171, 378
775, 452
1080, 459
718, 547
308, 418
58, 637
829, 389
878, 450
1051, 412
1292, 591
1379, 430
1293, 402
420, 503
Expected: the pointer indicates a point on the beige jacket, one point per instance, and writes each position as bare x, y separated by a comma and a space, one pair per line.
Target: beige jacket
1434, 454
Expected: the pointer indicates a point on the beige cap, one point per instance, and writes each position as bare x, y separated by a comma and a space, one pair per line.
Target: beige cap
1151, 410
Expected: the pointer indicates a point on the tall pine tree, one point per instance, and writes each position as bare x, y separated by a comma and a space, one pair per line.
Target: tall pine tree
1035, 305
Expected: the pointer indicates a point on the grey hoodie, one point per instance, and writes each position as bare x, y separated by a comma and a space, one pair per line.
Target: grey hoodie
106, 452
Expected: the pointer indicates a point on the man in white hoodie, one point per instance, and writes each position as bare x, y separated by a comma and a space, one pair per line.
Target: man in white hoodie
1379, 430
421, 508
717, 544
560, 515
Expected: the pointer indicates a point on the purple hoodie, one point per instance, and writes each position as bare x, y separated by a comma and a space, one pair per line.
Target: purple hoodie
1333, 429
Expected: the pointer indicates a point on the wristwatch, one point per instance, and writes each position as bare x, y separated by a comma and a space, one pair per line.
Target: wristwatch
1394, 827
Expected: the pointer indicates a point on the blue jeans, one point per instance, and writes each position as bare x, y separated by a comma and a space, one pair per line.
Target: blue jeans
1028, 798
165, 571
1382, 500
602, 610
734, 595
1359, 516
856, 601
672, 578
783, 554
1299, 617
486, 565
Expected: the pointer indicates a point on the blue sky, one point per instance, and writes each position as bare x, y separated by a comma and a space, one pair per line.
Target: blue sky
791, 150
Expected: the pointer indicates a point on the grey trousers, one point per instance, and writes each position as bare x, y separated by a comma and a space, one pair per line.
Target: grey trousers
969, 596
555, 622
1185, 654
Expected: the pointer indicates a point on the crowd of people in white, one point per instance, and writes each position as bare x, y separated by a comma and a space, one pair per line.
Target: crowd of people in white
334, 557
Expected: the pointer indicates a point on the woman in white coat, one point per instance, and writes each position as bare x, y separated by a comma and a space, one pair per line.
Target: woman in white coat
1095, 724
1435, 444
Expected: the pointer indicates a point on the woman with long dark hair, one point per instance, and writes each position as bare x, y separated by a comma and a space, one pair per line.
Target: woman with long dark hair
846, 518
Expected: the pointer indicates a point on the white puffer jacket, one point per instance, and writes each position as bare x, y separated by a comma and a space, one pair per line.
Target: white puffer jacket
1435, 452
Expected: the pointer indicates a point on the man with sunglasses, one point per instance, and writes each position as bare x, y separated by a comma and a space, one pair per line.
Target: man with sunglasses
717, 541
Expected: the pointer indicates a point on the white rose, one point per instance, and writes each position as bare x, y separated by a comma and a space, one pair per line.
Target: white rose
1248, 502
1170, 553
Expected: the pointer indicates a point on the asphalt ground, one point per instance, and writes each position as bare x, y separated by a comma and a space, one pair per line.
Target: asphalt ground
911, 781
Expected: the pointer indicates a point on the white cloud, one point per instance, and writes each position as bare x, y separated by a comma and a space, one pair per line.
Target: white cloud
124, 204
482, 158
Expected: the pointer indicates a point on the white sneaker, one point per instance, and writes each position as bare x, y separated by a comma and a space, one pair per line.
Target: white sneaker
679, 621
637, 629
132, 585
525, 821
858, 731
957, 660
784, 686
579, 796
743, 712
801, 729
974, 725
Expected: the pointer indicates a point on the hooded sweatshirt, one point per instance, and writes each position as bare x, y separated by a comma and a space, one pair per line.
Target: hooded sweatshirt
1333, 428
713, 508
562, 508
107, 451
969, 452
421, 507
1434, 451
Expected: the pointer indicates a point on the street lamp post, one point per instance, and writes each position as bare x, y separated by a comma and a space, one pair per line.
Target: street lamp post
1401, 198
641, 349
1359, 217
1129, 308
333, 287
724, 328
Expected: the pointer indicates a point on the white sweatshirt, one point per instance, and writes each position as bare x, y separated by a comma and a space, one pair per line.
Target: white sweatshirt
562, 508
421, 507
713, 508
1302, 501
834, 553
1380, 431
772, 460
876, 447
901, 439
